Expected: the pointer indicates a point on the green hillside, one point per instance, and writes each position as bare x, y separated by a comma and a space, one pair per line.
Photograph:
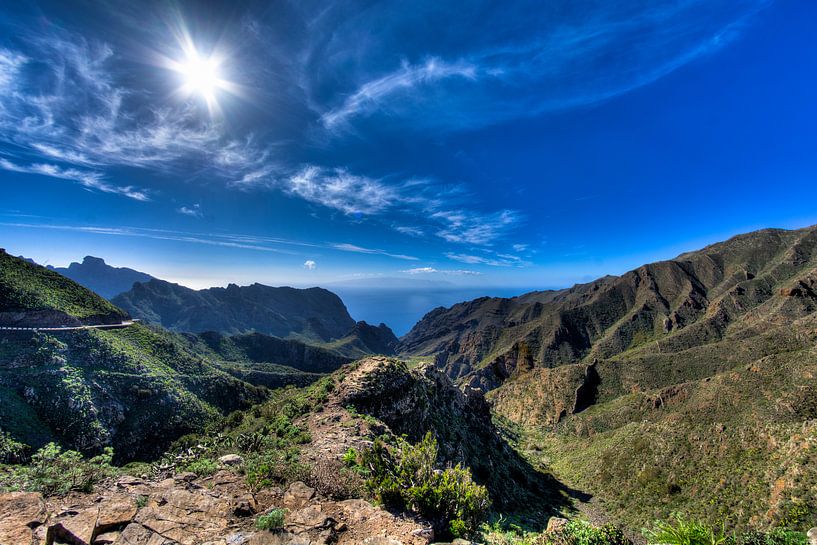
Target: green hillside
28, 287
685, 385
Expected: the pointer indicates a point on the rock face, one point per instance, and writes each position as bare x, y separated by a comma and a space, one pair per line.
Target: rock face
101, 278
314, 313
680, 303
217, 510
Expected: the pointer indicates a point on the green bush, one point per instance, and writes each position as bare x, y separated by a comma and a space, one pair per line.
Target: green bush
682, 531
579, 532
777, 536
53, 471
203, 467
274, 520
575, 532
406, 477
11, 451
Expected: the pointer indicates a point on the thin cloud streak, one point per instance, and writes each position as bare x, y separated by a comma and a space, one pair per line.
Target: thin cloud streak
491, 77
88, 180
239, 241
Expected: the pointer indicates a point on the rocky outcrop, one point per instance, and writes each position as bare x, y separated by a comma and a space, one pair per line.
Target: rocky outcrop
185, 510
412, 402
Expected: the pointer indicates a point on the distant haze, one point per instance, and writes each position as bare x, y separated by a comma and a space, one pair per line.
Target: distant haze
401, 307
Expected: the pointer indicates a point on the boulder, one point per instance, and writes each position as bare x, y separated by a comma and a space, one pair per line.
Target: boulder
186, 517
297, 495
231, 460
556, 524
136, 534
812, 536
78, 529
115, 513
107, 538
20, 513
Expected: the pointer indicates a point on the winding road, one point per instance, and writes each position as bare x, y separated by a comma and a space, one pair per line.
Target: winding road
124, 323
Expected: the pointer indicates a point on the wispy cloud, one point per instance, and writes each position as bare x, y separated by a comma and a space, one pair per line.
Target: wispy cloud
372, 94
475, 228
342, 191
529, 62
88, 179
498, 260
74, 111
432, 207
310, 265
432, 270
346, 247
228, 240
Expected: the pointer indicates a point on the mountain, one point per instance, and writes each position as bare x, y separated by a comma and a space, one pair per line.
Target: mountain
313, 314
99, 277
31, 295
685, 385
682, 302
135, 388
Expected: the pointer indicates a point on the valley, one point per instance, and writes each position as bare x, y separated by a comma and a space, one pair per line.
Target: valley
684, 386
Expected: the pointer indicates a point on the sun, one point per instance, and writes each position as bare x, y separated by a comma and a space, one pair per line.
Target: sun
201, 75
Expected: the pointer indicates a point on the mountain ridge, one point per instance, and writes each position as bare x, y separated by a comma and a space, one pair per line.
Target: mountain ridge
312, 313
101, 278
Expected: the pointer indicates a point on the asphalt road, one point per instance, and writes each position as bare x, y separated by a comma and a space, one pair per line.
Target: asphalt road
120, 325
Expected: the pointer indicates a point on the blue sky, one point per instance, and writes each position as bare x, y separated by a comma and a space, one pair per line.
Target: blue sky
515, 144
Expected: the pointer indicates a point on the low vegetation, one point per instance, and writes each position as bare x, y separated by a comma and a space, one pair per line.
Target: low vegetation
54, 471
273, 520
25, 286
406, 477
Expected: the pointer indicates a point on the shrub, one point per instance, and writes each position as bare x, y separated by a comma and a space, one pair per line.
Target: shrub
575, 532
579, 532
53, 471
274, 467
332, 478
682, 531
11, 451
777, 536
203, 467
273, 520
405, 477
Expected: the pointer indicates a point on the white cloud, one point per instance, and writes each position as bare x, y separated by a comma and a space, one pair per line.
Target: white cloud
87, 179
310, 265
499, 260
520, 247
193, 211
342, 191
432, 270
77, 113
346, 247
371, 95
410, 230
526, 62
421, 270
475, 228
